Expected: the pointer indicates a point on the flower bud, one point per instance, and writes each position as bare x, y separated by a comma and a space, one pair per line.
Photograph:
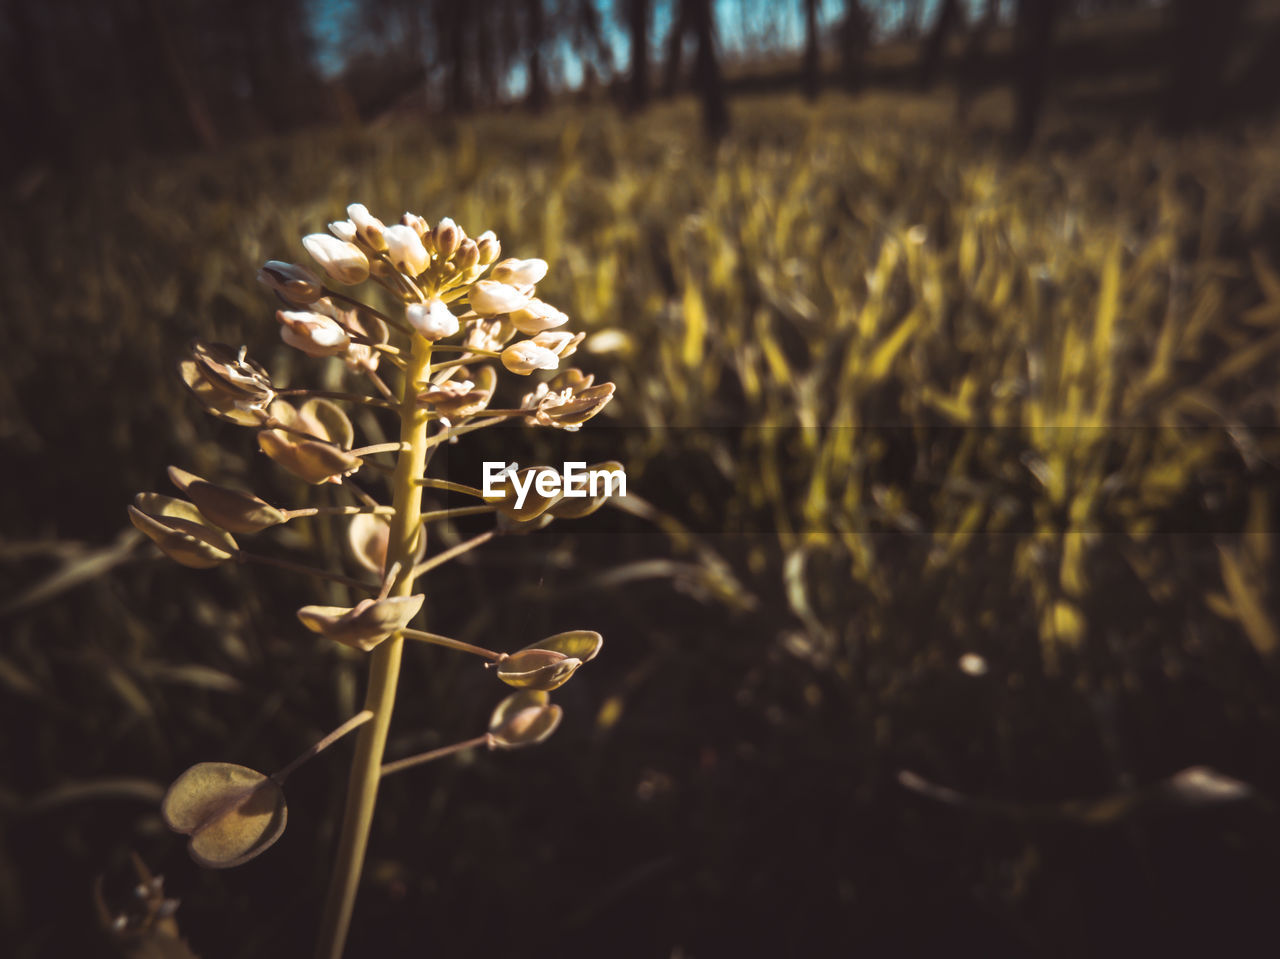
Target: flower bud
405, 248
446, 237
432, 319
369, 228
488, 246
343, 261
490, 298
520, 272
344, 230
313, 333
560, 343
468, 255
291, 282
488, 334
419, 225
526, 356
536, 316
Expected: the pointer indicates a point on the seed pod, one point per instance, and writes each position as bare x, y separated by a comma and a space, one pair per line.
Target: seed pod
534, 504
548, 663
366, 624
181, 531
542, 669
231, 509
456, 398
310, 460
232, 813
232, 374
525, 718
324, 419
292, 283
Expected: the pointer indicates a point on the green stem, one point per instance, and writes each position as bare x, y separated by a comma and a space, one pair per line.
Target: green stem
432, 483
359, 719
440, 753
384, 670
454, 552
457, 511
435, 639
335, 511
243, 557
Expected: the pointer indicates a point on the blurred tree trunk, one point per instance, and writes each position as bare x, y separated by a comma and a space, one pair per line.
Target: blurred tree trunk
1199, 47
1033, 31
638, 27
812, 68
934, 49
537, 98
190, 96
715, 112
855, 29
452, 23
675, 47
910, 19
971, 63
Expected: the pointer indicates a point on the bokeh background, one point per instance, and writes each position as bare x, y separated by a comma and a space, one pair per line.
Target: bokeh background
945, 336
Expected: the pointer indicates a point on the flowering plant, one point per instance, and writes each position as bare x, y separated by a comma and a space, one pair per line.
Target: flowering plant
447, 374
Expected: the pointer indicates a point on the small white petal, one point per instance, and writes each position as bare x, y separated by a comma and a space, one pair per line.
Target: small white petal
520, 272
489, 298
536, 316
405, 248
433, 320
526, 356
343, 261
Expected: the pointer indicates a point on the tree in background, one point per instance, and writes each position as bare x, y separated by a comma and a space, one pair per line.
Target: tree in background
854, 33
636, 14
812, 67
933, 50
1199, 46
1033, 37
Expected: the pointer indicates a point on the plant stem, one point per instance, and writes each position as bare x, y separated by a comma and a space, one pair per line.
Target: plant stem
359, 719
435, 639
343, 298
453, 552
440, 753
336, 395
243, 557
455, 512
335, 511
384, 670
452, 487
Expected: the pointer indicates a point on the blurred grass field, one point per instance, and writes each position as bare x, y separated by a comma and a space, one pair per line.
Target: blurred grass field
895, 398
